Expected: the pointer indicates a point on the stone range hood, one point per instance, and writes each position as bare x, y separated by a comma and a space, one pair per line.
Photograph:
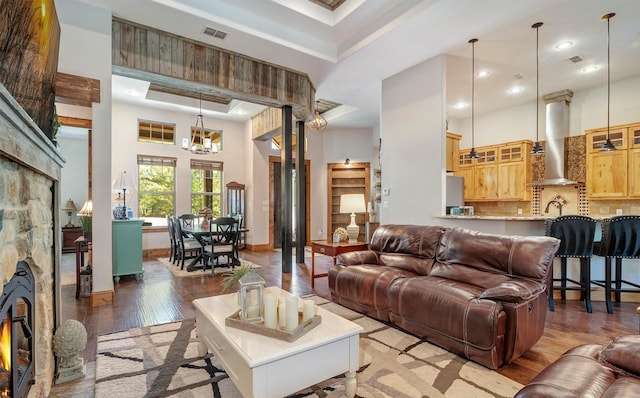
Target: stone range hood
30, 168
557, 129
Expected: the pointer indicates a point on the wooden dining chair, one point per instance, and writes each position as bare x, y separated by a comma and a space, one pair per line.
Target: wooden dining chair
186, 247
223, 242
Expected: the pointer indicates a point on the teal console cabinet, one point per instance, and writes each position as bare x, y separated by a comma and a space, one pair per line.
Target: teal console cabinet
126, 248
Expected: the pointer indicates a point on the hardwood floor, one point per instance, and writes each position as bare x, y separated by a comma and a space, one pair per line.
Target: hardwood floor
161, 298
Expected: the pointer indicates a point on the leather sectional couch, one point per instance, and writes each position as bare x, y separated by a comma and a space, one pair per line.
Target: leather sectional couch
591, 370
482, 296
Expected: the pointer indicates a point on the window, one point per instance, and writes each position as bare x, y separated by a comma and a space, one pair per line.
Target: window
206, 186
156, 132
156, 182
215, 135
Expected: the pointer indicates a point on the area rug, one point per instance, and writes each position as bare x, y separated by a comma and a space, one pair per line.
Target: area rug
163, 361
218, 270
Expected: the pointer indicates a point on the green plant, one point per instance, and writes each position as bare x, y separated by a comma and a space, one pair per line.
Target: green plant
232, 277
85, 223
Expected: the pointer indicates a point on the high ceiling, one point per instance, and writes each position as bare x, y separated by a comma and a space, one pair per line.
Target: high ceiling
347, 52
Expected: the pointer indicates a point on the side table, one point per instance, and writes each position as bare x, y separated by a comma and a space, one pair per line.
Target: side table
328, 248
82, 246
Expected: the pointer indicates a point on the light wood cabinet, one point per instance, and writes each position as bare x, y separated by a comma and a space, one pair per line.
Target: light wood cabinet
501, 172
514, 171
453, 152
613, 174
346, 179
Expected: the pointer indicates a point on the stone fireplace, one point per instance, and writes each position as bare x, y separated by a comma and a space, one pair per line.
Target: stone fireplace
29, 175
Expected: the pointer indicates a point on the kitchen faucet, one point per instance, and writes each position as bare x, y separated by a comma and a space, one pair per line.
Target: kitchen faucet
546, 210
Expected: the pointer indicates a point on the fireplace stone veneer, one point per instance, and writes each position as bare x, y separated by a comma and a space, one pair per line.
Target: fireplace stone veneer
29, 200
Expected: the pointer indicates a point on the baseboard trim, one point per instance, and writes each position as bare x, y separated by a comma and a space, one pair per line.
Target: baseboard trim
150, 254
597, 294
103, 297
259, 248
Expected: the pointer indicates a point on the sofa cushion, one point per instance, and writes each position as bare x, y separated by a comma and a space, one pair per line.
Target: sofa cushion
364, 288
447, 307
623, 354
529, 256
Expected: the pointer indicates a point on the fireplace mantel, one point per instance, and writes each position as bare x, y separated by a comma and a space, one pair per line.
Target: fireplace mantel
22, 141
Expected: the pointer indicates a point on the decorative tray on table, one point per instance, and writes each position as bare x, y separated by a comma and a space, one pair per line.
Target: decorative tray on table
234, 321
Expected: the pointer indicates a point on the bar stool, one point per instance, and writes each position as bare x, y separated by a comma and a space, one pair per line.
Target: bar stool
620, 239
576, 235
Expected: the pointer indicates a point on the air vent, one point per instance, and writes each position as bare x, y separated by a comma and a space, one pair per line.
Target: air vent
218, 34
575, 59
518, 76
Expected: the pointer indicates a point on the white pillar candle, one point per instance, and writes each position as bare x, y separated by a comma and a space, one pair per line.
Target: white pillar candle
270, 308
292, 313
282, 316
308, 309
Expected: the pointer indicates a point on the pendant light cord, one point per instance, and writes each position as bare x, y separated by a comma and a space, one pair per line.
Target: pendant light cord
473, 89
608, 16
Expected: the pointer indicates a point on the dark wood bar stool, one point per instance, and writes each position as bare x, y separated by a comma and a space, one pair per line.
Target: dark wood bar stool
620, 239
576, 234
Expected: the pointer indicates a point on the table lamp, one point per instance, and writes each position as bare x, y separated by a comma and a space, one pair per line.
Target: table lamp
69, 207
352, 203
123, 183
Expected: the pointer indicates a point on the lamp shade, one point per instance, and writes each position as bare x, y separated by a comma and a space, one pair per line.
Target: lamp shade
87, 209
122, 182
70, 206
352, 203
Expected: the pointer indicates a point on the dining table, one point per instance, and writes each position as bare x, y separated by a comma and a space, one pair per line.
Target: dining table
199, 233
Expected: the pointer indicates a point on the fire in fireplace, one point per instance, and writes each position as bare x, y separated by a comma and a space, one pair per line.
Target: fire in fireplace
16, 335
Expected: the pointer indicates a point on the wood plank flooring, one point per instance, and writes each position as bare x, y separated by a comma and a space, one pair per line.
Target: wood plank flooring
161, 298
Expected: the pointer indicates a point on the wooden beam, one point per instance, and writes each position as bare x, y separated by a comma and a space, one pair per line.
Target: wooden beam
75, 122
189, 94
162, 58
77, 90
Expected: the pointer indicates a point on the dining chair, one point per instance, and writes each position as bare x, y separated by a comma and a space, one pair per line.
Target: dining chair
186, 247
172, 240
223, 242
187, 220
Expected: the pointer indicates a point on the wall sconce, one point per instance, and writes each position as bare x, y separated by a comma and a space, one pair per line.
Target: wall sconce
347, 162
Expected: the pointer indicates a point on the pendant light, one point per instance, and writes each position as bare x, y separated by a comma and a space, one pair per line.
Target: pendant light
204, 146
318, 123
473, 154
608, 145
537, 148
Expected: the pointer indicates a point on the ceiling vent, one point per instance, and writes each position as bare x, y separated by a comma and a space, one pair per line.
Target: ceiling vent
575, 59
218, 34
518, 76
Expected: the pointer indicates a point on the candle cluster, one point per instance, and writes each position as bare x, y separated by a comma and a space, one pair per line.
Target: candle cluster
282, 312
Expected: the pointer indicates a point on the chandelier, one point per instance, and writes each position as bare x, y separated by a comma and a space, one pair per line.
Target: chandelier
203, 145
318, 123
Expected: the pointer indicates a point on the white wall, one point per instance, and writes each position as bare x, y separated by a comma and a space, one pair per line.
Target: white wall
588, 110
413, 143
85, 50
74, 150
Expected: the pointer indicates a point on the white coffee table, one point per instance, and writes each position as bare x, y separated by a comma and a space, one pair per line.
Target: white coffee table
262, 366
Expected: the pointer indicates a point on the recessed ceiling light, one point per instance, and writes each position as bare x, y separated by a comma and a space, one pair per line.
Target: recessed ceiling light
461, 105
133, 93
484, 73
515, 90
563, 45
590, 68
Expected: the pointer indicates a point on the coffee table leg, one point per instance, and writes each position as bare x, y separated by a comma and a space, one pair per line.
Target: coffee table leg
351, 384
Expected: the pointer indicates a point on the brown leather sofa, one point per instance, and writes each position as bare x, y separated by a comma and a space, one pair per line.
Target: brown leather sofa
591, 370
479, 295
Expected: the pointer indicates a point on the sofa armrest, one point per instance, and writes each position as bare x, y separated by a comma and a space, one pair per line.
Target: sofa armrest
514, 290
623, 355
357, 257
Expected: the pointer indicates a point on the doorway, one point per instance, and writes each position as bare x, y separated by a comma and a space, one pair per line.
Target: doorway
275, 238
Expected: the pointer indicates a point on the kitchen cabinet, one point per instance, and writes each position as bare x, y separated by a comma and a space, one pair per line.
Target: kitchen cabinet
501, 172
514, 171
608, 176
126, 246
453, 151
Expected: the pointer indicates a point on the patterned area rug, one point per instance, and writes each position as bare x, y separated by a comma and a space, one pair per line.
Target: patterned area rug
163, 361
179, 273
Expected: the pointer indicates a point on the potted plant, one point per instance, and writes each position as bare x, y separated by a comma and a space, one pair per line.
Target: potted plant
86, 224
232, 277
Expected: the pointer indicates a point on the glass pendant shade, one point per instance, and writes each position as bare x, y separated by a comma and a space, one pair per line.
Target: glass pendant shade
318, 123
